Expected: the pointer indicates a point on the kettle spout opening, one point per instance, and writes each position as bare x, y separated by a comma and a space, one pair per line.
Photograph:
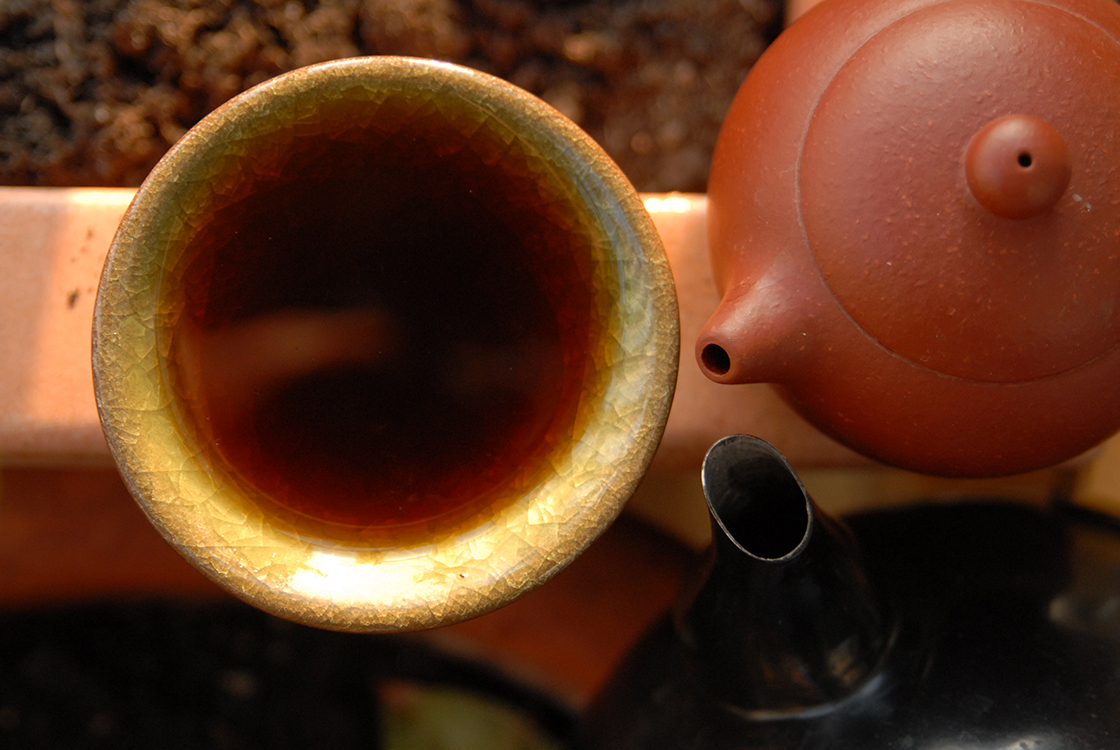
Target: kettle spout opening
757, 505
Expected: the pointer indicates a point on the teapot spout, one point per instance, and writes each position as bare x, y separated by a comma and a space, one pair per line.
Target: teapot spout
752, 337
783, 618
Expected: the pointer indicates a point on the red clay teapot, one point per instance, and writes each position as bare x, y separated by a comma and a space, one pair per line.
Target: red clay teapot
915, 228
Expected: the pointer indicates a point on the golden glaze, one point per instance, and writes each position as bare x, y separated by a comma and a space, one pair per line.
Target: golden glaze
454, 573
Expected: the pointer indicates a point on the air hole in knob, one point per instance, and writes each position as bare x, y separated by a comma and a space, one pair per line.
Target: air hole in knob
1018, 166
715, 359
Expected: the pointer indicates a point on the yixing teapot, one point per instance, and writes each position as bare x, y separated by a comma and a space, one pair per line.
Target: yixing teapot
915, 228
974, 626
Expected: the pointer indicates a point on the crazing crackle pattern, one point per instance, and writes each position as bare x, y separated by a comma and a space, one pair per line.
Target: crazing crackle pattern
257, 527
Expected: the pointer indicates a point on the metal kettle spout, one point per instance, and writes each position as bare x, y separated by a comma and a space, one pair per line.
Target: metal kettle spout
783, 617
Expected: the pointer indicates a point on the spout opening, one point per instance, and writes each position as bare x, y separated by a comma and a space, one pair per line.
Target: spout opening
715, 359
755, 498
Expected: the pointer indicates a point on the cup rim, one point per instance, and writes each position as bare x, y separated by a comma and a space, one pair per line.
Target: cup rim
418, 586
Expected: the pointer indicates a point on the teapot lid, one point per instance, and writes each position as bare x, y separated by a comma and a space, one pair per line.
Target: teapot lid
937, 254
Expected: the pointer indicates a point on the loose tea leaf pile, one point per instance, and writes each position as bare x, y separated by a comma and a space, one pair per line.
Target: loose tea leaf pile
93, 92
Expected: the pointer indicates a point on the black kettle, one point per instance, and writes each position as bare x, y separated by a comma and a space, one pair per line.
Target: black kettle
973, 626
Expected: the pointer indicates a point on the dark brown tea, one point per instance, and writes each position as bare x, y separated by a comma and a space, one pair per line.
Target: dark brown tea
386, 320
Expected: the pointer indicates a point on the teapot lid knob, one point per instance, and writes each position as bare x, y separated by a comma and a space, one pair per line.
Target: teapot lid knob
1018, 166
